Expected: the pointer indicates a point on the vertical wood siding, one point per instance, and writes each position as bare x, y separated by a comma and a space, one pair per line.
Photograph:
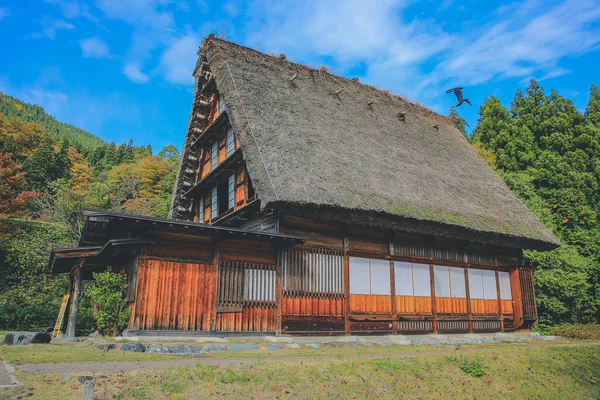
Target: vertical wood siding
370, 304
313, 281
507, 306
480, 306
527, 294
452, 305
246, 297
413, 305
173, 295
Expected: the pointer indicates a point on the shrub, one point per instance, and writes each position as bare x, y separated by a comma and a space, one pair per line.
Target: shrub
107, 293
589, 331
473, 368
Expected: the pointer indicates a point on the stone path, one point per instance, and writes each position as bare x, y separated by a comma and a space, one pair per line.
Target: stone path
192, 362
5, 378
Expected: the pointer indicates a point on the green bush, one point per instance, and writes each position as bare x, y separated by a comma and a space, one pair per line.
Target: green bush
589, 331
542, 329
107, 292
473, 368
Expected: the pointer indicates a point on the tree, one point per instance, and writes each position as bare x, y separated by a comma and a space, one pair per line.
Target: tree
459, 121
13, 199
108, 293
547, 152
592, 111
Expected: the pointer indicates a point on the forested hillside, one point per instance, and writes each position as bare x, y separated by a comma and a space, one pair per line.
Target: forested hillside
49, 173
548, 153
13, 108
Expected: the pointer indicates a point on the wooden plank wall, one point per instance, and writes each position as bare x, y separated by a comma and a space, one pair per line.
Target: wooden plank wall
246, 300
414, 305
371, 243
173, 295
370, 304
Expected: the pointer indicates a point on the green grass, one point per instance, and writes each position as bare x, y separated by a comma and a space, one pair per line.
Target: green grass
510, 372
71, 353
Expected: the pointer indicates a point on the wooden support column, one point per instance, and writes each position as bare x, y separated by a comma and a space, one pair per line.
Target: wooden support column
215, 285
346, 286
279, 296
468, 294
499, 302
433, 307
74, 303
393, 294
515, 284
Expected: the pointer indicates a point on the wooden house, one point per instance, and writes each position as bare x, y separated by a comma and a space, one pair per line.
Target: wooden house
308, 203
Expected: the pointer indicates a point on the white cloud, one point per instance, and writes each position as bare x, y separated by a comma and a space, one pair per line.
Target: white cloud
3, 13
94, 47
73, 9
178, 60
138, 12
419, 56
51, 26
153, 27
515, 48
134, 74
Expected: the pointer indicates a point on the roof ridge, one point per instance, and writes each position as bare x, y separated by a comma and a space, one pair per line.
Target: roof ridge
326, 71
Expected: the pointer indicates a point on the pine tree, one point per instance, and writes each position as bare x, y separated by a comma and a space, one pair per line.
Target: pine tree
460, 122
592, 111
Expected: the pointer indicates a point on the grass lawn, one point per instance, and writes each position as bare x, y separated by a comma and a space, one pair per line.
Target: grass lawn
549, 372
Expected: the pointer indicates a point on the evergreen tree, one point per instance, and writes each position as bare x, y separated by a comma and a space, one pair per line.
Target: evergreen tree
592, 111
460, 122
547, 152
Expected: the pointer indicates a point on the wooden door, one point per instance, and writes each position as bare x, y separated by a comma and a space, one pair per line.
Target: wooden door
173, 295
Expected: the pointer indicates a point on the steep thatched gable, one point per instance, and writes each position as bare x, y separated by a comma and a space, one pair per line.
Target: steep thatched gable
327, 143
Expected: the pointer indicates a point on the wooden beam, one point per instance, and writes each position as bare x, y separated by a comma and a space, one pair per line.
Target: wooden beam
279, 296
433, 307
346, 286
74, 302
468, 294
213, 311
515, 285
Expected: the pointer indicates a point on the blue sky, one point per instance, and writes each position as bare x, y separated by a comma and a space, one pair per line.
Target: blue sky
122, 68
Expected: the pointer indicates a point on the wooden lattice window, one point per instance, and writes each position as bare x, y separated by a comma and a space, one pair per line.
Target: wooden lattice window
245, 284
312, 271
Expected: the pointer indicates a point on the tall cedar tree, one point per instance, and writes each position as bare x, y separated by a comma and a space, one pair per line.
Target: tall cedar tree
548, 152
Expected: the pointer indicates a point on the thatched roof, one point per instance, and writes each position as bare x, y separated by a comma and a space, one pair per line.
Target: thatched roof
328, 143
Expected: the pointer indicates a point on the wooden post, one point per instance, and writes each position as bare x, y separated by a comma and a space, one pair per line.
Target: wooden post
468, 294
393, 294
499, 302
279, 296
215, 284
433, 307
74, 303
516, 295
346, 286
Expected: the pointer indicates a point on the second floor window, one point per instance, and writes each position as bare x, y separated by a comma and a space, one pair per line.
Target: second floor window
201, 211
231, 191
214, 208
230, 142
214, 155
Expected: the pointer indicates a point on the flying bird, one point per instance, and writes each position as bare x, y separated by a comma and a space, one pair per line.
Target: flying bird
459, 96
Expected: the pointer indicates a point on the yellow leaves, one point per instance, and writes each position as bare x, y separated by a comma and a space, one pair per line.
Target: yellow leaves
136, 186
565, 220
26, 137
554, 205
487, 155
81, 177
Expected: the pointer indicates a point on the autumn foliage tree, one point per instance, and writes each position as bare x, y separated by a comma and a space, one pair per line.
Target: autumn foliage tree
13, 199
